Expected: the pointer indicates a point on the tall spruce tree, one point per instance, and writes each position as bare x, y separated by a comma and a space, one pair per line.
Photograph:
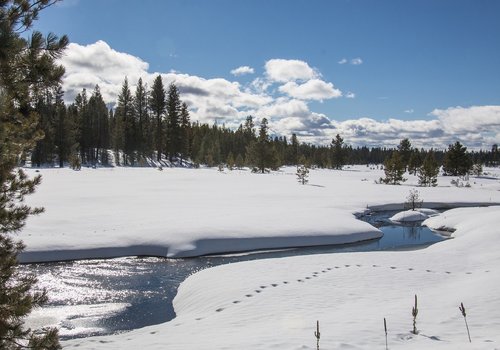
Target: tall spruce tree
140, 104
174, 134
27, 66
260, 153
158, 104
185, 151
456, 160
338, 152
125, 113
405, 151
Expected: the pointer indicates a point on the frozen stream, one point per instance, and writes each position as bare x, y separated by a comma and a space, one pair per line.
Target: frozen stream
97, 297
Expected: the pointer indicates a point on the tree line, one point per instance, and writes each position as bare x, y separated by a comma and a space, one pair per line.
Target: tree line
153, 126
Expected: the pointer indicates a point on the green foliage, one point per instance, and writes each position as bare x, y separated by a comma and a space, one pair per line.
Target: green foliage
158, 105
260, 153
394, 170
457, 162
415, 162
428, 172
28, 71
405, 151
338, 152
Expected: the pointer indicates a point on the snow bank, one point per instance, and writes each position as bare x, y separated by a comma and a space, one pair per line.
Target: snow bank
112, 212
413, 215
274, 303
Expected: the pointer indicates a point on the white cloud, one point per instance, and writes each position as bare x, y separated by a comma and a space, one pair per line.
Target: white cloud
280, 70
356, 61
230, 102
342, 61
350, 94
313, 89
242, 70
410, 111
469, 119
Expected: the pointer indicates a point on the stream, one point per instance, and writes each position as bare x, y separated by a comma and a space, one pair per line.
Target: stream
106, 296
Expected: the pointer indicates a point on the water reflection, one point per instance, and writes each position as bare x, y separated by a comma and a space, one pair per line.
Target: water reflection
97, 297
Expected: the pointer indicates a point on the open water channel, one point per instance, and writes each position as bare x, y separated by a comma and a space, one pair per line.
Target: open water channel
105, 296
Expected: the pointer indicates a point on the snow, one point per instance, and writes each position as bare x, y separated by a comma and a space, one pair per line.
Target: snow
112, 212
419, 214
274, 303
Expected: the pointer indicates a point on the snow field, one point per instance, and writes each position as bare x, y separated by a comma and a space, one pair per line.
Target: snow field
112, 212
274, 304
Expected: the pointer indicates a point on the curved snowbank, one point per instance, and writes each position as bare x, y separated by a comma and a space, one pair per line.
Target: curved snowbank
413, 215
104, 213
274, 303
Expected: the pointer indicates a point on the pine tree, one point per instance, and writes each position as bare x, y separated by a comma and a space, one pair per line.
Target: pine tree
185, 151
415, 162
394, 170
174, 136
158, 105
27, 66
302, 174
140, 104
125, 113
428, 172
405, 151
260, 153
338, 152
456, 160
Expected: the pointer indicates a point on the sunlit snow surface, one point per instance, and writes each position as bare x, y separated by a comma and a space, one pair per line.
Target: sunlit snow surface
98, 297
274, 303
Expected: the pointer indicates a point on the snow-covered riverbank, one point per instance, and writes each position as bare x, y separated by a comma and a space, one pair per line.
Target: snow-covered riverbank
114, 212
274, 304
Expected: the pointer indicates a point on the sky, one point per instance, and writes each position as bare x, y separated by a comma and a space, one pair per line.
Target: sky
372, 71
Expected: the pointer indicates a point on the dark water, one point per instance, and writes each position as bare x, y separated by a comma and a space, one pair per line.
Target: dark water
97, 297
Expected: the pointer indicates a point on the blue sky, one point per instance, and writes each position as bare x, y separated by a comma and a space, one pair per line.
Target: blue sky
417, 61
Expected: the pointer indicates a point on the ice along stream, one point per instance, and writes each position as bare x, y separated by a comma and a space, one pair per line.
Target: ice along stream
105, 296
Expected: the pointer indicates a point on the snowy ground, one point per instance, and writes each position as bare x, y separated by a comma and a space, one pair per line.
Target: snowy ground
274, 303
112, 212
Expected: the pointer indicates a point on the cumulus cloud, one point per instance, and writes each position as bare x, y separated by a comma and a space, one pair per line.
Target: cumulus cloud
343, 61
287, 107
242, 70
313, 89
409, 111
281, 70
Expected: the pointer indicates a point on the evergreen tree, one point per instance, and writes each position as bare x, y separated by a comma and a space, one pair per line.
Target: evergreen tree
27, 66
456, 160
230, 161
394, 170
158, 104
428, 172
174, 136
405, 151
141, 117
64, 135
338, 152
415, 162
185, 151
240, 162
260, 153
124, 115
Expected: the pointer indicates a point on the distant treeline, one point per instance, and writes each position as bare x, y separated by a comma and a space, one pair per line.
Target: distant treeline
154, 124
